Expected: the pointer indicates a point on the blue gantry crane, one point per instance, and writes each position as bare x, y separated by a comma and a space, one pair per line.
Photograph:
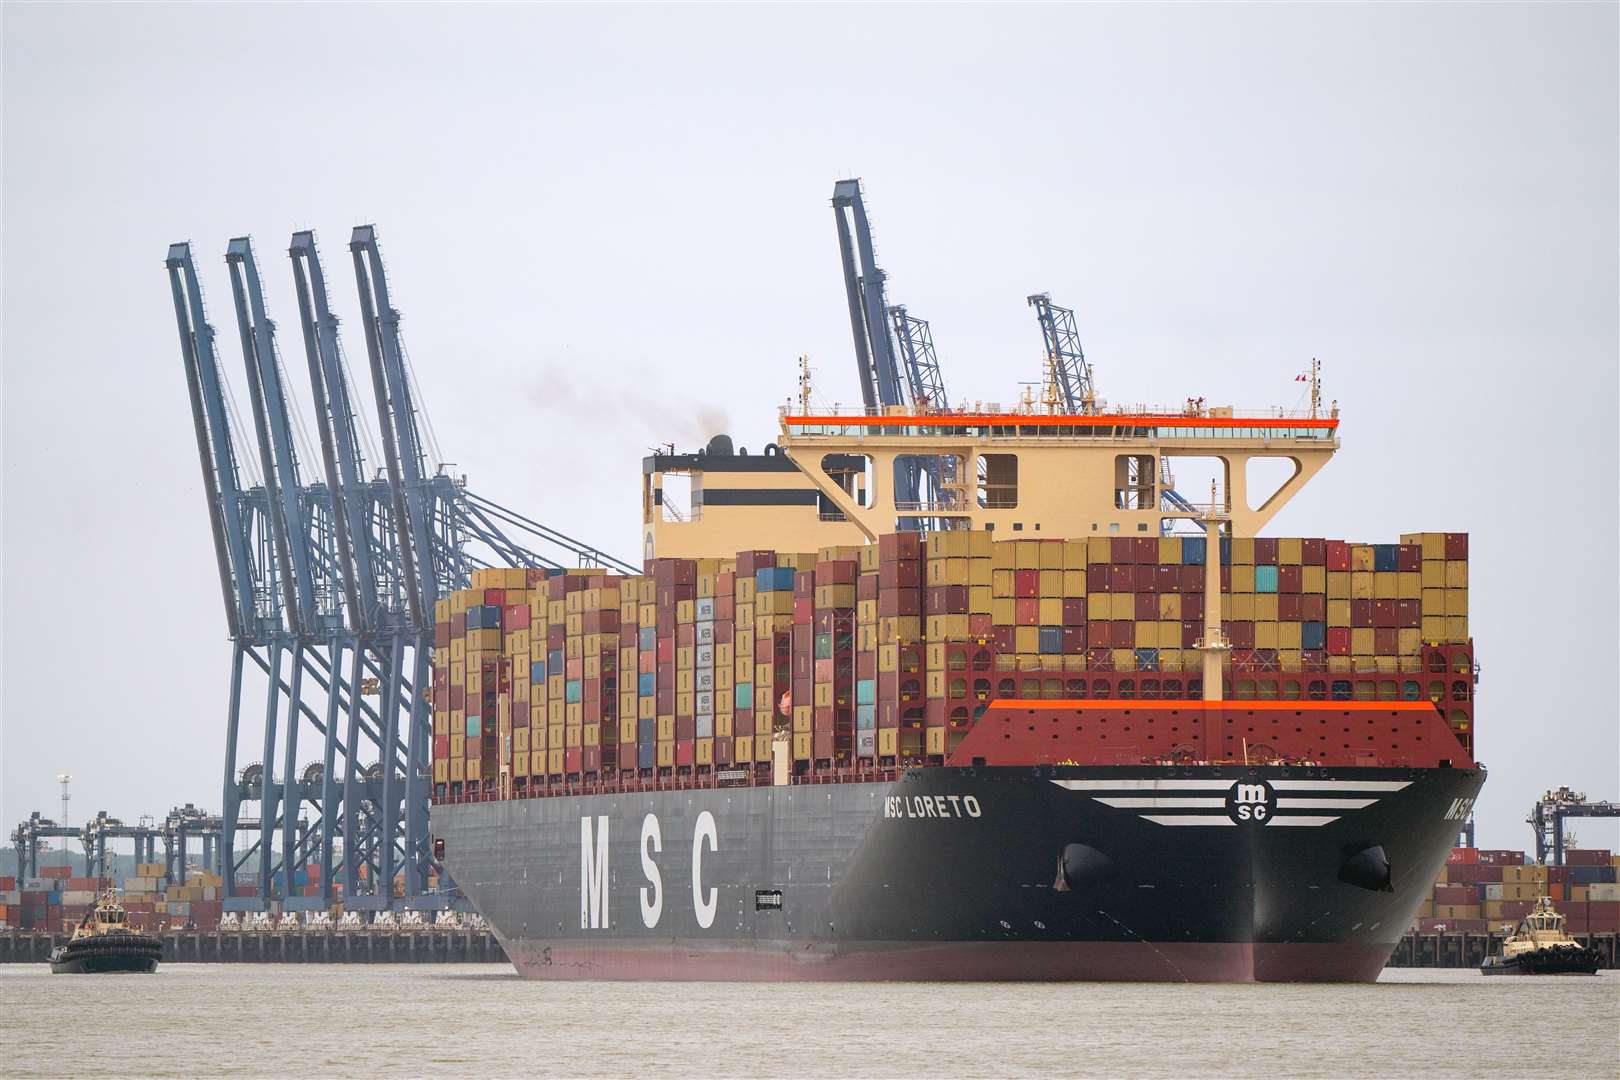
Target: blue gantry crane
1071, 388
330, 582
894, 352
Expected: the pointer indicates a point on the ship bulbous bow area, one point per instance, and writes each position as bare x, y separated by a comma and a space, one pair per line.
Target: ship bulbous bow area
1367, 866
1080, 865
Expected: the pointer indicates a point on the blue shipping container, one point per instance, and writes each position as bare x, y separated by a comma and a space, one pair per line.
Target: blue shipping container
1147, 659
1193, 550
647, 638
574, 691
647, 684
537, 671
1265, 579
866, 717
474, 730
1052, 639
1313, 635
745, 695
866, 691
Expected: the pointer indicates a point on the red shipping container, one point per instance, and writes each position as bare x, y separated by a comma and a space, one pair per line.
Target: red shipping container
1146, 549
1265, 551
1386, 641
1289, 606
1122, 551
1313, 552
1191, 630
1026, 583
980, 625
1147, 607
1456, 894
1098, 578
1338, 555
1457, 546
1192, 607
1290, 579
1361, 613
1122, 579
1461, 856
516, 617
1192, 581
1074, 612
1144, 578
1074, 640
1409, 558
441, 747
822, 747
56, 871
1166, 578
1338, 641
1241, 635
1027, 612
495, 597
892, 546
1572, 857
1500, 857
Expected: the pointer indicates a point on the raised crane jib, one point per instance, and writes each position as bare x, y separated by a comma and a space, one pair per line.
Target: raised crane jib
340, 449
272, 420
215, 452
881, 383
1066, 360
396, 416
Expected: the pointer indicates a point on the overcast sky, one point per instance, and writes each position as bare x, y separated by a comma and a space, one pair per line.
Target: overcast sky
608, 228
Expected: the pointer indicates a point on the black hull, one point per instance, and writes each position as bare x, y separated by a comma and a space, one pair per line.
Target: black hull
139, 955
1049, 873
1582, 961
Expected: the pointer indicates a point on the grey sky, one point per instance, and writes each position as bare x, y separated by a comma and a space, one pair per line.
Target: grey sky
609, 227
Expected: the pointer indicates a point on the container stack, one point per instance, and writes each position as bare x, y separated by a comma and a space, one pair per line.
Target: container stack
1482, 890
886, 655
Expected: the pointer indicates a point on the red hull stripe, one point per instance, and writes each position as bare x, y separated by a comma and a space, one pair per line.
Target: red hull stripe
1174, 705
935, 420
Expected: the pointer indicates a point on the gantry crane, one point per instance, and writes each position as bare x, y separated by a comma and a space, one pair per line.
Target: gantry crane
26, 837
330, 581
1547, 819
103, 827
894, 350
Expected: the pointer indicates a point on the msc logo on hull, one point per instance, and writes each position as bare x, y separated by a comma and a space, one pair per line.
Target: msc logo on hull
593, 872
1251, 802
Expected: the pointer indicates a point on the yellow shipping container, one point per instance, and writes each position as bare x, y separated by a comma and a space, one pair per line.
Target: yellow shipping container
1313, 579
1170, 606
1338, 613
1386, 585
1099, 551
1051, 581
1361, 585
1074, 554
1456, 629
1361, 558
1147, 635
1362, 641
1456, 601
666, 755
666, 727
1074, 583
936, 740
1121, 607
887, 741
1243, 575
1240, 607
1290, 635
801, 745
1265, 607
1338, 585
1456, 574
1027, 639
1265, 635
1242, 555
1050, 609
1290, 551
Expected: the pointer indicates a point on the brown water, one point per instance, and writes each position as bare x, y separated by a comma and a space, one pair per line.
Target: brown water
483, 1021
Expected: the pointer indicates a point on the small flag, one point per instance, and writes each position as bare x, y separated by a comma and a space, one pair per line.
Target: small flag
1302, 378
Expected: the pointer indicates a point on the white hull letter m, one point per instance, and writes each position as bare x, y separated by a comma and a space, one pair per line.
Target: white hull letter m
593, 874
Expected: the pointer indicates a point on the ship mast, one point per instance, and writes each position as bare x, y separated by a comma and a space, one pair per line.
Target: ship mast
1213, 644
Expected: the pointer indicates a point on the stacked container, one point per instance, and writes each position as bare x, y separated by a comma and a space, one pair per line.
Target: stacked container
1484, 889
886, 655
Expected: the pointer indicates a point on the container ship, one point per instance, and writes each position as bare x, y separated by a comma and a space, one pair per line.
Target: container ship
917, 693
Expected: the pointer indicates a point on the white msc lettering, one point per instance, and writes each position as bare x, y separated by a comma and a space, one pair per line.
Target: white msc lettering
593, 874
703, 908
651, 908
1250, 800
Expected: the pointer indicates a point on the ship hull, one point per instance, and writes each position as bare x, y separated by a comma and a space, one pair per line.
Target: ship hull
1005, 873
101, 956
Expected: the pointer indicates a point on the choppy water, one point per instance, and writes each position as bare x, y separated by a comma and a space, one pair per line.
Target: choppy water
483, 1021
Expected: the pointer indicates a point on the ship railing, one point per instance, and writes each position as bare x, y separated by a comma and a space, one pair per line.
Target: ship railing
1132, 412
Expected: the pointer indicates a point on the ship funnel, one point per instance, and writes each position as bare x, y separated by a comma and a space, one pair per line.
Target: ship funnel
1367, 868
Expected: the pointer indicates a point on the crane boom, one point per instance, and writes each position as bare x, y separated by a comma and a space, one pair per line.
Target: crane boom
881, 384
1066, 362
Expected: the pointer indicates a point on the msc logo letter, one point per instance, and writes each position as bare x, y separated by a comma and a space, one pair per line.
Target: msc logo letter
652, 906
703, 907
593, 874
1251, 803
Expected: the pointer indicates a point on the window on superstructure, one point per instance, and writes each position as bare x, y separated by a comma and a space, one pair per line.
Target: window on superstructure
1135, 482
1411, 691
998, 481
1459, 690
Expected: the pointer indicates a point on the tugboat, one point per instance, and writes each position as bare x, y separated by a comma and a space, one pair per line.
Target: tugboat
1541, 947
104, 942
